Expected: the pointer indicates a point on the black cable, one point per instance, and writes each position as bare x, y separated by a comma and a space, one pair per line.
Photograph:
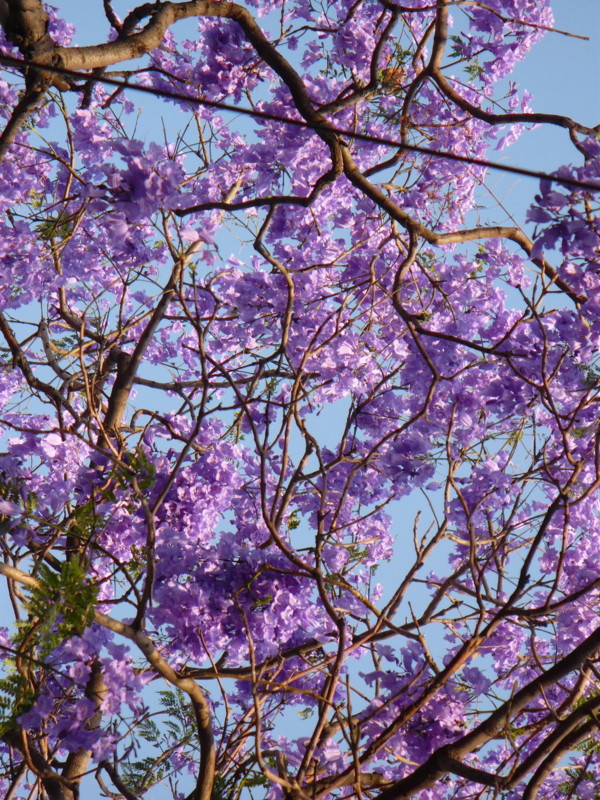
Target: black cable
217, 104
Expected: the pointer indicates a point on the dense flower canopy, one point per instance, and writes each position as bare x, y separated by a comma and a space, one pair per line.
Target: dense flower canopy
299, 464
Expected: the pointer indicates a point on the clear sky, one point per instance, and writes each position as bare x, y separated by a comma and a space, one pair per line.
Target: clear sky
563, 75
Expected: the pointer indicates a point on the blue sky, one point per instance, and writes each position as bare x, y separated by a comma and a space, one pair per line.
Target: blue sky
563, 75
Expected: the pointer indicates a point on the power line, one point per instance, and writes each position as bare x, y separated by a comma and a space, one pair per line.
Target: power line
251, 112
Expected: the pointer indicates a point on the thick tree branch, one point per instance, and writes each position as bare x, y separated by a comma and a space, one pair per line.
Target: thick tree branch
442, 760
206, 773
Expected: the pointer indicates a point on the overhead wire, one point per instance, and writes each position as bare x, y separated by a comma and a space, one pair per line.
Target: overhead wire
10, 61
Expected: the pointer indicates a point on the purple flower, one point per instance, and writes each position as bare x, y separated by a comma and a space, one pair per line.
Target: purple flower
9, 508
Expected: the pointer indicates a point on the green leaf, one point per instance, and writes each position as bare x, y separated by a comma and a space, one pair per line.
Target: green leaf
59, 607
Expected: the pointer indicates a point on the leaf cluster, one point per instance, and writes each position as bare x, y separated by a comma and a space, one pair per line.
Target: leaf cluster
176, 730
60, 606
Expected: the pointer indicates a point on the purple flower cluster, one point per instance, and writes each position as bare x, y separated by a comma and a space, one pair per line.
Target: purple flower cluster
329, 459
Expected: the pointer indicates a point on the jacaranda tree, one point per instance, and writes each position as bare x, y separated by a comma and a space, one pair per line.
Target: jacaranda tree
300, 459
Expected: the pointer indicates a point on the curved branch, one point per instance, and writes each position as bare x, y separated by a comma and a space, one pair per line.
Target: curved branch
54, 784
434, 69
442, 760
26, 106
361, 182
574, 738
118, 782
206, 773
531, 118
559, 741
20, 361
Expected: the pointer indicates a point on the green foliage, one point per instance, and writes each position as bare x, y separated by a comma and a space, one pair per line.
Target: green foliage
575, 778
9, 489
59, 607
175, 731
179, 724
429, 262
591, 376
516, 435
135, 463
589, 748
272, 385
262, 603
293, 521
457, 46
12, 489
240, 781
390, 78
84, 521
63, 602
16, 697
56, 227
230, 787
145, 772
474, 69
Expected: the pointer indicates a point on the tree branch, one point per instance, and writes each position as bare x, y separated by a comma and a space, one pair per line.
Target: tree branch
200, 705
